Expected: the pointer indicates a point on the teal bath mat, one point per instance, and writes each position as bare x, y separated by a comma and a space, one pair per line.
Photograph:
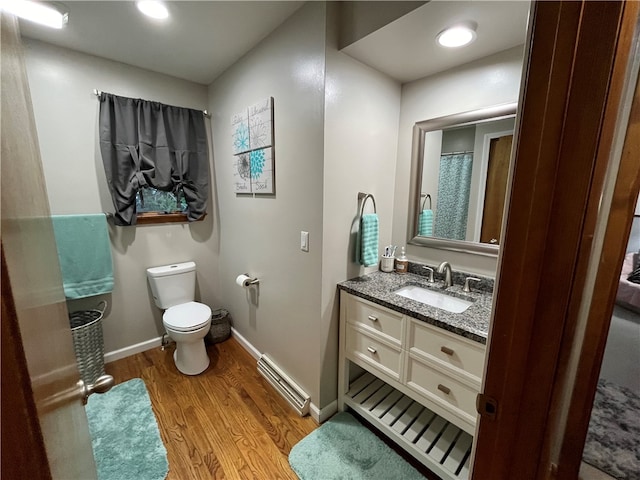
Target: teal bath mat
125, 437
343, 448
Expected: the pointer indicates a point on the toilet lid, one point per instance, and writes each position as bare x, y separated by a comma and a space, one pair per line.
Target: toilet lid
187, 316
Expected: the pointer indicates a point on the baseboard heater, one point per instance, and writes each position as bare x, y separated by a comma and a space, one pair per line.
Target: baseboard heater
297, 397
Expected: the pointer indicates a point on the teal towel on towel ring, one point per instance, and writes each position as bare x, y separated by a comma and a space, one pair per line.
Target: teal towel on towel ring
368, 239
425, 223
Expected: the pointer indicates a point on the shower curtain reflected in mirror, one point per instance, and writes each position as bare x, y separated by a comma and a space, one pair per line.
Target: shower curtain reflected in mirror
454, 183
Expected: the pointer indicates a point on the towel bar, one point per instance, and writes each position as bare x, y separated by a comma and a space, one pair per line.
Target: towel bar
364, 197
425, 199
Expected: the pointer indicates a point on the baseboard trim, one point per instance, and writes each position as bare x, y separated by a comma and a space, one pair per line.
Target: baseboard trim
253, 351
132, 350
324, 414
319, 415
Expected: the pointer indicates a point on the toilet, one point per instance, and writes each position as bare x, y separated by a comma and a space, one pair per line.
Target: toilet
186, 322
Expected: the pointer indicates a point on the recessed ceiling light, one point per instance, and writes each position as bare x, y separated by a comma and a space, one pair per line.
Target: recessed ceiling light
153, 9
49, 14
457, 35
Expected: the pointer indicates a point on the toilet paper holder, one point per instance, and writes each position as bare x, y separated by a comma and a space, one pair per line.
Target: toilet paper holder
245, 280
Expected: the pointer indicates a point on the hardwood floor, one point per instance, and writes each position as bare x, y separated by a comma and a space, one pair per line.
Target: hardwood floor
228, 422
225, 423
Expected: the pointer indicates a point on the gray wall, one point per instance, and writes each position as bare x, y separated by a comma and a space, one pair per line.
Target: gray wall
458, 140
66, 113
362, 110
335, 136
360, 18
261, 235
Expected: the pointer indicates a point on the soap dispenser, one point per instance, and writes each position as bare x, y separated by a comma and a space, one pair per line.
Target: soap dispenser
402, 263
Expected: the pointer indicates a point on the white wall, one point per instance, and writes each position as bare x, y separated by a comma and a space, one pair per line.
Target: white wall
261, 235
66, 113
362, 110
489, 81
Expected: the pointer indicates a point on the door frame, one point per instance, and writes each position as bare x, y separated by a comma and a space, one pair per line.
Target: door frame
484, 175
573, 88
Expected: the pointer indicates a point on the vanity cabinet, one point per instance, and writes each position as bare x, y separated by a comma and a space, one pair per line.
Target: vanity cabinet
416, 382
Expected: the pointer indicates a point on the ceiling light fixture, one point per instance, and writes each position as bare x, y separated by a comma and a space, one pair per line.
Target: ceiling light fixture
153, 9
458, 35
52, 15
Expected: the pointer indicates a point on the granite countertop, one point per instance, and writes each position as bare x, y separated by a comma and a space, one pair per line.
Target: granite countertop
378, 287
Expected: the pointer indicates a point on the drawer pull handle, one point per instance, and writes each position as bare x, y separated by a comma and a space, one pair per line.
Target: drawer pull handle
372, 318
371, 350
446, 350
443, 389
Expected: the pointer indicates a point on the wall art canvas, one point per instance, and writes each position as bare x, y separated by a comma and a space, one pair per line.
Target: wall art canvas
261, 124
261, 167
240, 132
252, 138
242, 173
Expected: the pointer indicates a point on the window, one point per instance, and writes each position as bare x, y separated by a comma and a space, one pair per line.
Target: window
156, 206
168, 150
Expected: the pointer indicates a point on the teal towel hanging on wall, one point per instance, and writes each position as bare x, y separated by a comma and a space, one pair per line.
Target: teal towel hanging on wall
84, 250
425, 223
368, 233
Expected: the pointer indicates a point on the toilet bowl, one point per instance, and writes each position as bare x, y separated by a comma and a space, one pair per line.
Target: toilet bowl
187, 324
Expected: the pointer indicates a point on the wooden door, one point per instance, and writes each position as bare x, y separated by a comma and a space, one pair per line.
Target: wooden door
44, 425
535, 416
496, 188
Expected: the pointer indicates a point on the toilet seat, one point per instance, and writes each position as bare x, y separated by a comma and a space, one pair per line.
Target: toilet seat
187, 317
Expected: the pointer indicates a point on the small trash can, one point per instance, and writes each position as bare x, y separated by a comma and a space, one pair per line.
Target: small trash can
220, 326
88, 343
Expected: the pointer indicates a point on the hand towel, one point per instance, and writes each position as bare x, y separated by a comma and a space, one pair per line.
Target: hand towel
368, 244
425, 223
84, 251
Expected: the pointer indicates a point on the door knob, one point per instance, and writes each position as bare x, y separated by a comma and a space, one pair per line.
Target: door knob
101, 385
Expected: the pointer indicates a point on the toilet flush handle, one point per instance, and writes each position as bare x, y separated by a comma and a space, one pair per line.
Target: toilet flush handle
101, 385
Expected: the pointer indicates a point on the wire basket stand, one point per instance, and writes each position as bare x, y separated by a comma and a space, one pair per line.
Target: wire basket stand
88, 343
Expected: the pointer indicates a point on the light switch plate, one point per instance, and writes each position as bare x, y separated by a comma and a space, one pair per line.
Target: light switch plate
304, 241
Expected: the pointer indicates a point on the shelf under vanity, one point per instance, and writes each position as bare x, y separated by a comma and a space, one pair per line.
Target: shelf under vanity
435, 442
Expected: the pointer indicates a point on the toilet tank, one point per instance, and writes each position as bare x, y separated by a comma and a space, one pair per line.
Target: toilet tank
172, 284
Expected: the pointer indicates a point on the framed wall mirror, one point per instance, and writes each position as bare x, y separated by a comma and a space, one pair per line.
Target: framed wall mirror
461, 163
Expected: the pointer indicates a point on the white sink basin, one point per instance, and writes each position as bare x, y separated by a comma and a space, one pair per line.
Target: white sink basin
434, 298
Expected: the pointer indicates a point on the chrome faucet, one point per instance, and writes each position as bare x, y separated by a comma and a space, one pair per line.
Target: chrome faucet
445, 267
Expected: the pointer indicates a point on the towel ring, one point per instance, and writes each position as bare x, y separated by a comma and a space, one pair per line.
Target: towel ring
365, 197
425, 199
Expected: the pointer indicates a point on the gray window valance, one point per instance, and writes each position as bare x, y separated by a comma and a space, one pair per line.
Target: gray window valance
148, 144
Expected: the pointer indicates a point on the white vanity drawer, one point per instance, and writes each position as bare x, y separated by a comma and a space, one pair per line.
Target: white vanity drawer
463, 357
442, 389
375, 318
369, 349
